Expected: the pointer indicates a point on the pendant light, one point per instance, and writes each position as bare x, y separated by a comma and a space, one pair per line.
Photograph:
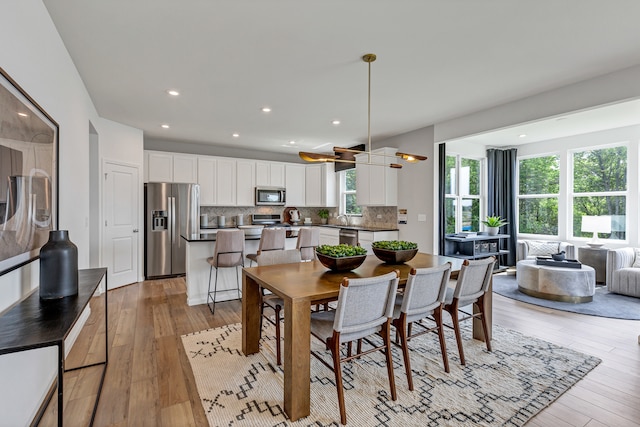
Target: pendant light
319, 157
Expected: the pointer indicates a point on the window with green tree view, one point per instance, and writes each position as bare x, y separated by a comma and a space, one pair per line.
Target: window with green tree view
462, 199
348, 199
538, 189
600, 188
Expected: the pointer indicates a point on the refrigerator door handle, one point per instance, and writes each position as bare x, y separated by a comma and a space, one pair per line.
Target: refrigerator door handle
172, 215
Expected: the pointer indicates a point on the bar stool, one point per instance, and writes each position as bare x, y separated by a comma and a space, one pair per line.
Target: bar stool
228, 252
308, 239
271, 239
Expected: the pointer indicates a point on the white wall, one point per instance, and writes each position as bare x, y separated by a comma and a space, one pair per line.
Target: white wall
33, 54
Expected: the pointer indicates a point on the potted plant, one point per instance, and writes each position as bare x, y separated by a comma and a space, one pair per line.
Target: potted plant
394, 251
341, 257
324, 215
493, 224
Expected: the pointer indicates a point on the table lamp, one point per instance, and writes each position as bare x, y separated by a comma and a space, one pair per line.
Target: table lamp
596, 224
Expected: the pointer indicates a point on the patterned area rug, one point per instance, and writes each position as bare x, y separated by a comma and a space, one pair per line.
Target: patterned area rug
506, 387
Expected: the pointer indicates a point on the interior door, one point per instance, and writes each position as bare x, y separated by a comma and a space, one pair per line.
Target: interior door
121, 223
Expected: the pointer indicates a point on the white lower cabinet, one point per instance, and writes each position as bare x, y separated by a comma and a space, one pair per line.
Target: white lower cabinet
366, 238
329, 236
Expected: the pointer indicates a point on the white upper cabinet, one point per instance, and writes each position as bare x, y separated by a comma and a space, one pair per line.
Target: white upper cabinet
320, 185
245, 179
377, 185
226, 182
161, 166
207, 180
270, 174
185, 168
295, 177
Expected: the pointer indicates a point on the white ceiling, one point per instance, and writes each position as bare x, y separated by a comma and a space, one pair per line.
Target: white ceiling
437, 60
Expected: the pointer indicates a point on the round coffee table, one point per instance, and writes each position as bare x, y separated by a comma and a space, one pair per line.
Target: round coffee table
564, 284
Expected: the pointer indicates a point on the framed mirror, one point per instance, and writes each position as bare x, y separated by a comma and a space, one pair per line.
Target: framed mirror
28, 176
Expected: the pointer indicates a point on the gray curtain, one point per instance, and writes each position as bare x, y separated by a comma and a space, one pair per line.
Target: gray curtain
442, 218
502, 195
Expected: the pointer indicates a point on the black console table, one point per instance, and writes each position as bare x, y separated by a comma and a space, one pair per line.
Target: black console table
33, 323
475, 246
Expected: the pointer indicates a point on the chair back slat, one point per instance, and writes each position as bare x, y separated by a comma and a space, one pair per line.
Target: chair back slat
364, 304
229, 248
288, 256
425, 290
474, 278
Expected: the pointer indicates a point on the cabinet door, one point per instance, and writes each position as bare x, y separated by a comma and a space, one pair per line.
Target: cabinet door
226, 182
207, 180
329, 236
313, 186
185, 168
160, 167
363, 183
365, 239
263, 174
295, 179
245, 178
277, 174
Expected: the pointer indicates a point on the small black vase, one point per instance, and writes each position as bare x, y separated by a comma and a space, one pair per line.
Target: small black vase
58, 266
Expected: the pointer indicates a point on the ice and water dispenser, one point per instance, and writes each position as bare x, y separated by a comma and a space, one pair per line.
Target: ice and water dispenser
159, 220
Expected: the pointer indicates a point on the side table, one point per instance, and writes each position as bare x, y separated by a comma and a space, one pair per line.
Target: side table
596, 258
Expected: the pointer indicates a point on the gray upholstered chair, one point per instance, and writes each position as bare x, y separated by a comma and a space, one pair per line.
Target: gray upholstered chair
271, 239
365, 307
530, 249
423, 297
273, 301
623, 271
228, 252
472, 285
308, 239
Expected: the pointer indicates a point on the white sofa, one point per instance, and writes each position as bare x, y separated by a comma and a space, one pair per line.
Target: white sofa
623, 271
530, 249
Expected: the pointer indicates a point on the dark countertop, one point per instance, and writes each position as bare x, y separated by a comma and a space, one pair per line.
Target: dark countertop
358, 227
211, 237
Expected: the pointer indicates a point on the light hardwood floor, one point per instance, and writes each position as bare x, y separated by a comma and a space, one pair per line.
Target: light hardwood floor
149, 381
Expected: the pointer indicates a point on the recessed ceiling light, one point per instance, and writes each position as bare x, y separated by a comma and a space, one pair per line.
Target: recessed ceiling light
335, 122
523, 135
23, 115
266, 109
235, 135
292, 142
173, 92
165, 126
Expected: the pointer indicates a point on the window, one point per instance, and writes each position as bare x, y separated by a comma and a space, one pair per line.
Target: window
600, 188
348, 199
462, 201
538, 189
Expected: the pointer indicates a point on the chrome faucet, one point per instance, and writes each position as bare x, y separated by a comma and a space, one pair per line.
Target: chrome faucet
346, 219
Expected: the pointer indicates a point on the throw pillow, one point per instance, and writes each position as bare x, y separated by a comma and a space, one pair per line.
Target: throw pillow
636, 263
535, 248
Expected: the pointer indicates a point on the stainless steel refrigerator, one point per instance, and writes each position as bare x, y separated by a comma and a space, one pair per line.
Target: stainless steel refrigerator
170, 210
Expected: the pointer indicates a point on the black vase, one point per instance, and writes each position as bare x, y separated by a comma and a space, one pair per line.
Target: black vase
58, 266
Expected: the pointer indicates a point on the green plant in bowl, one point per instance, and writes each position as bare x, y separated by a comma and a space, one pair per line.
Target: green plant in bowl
341, 257
394, 251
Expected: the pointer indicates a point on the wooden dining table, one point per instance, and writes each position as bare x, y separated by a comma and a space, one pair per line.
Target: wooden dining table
302, 285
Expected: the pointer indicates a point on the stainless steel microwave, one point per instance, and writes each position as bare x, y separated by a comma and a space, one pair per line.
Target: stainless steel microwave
271, 196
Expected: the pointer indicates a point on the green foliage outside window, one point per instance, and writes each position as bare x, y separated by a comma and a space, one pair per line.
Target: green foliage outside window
351, 201
539, 215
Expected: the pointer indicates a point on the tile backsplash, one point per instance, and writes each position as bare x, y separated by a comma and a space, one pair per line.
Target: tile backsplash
386, 216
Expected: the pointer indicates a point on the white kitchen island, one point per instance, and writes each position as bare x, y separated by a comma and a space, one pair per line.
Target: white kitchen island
199, 248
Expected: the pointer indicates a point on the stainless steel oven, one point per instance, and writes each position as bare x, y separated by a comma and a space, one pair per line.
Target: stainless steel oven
271, 196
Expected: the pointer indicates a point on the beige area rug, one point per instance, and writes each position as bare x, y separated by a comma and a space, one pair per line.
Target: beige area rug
506, 387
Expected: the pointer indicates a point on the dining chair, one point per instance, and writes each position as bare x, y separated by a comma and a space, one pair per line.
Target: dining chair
273, 301
471, 288
423, 298
271, 239
365, 306
308, 239
228, 252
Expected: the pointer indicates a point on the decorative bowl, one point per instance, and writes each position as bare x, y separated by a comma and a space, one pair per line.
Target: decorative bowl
395, 257
558, 257
342, 263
